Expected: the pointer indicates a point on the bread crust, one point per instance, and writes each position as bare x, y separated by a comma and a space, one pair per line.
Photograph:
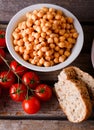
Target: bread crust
69, 76
84, 76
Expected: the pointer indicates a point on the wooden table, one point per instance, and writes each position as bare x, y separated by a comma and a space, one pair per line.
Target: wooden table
50, 117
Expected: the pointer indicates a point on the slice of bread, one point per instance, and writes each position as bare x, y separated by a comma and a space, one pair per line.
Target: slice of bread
73, 96
76, 73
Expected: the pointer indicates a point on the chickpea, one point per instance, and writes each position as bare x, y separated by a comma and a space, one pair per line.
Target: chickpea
41, 39
56, 39
68, 26
38, 29
16, 48
43, 43
25, 39
56, 60
24, 34
61, 32
41, 61
37, 47
34, 53
52, 45
48, 24
59, 12
67, 53
51, 62
49, 16
58, 16
63, 19
46, 63
29, 23
45, 29
75, 35
17, 30
71, 40
38, 64
45, 16
15, 35
37, 22
33, 17
26, 57
37, 35
62, 38
29, 47
70, 20
48, 58
21, 49
44, 49
45, 9
48, 53
36, 41
35, 12
49, 32
57, 48
36, 58
40, 53
20, 42
43, 34
15, 42
23, 25
62, 44
51, 10
26, 51
62, 58
61, 51
40, 14
30, 38
56, 55
50, 40
32, 61
31, 55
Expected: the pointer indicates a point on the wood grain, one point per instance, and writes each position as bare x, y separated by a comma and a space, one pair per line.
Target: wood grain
44, 125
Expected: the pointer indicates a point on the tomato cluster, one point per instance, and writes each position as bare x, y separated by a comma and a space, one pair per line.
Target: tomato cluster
23, 84
25, 88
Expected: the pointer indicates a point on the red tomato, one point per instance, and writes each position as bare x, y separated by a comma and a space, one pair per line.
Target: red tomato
18, 92
31, 106
7, 78
30, 79
2, 53
18, 68
2, 39
43, 92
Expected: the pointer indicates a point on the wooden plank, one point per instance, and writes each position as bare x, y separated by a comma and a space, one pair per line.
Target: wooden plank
83, 10
44, 125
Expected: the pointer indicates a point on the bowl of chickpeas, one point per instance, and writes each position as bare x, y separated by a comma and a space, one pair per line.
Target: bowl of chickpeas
44, 37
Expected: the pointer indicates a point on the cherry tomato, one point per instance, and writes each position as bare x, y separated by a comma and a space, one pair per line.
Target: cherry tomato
2, 53
7, 78
2, 39
18, 68
18, 92
31, 105
30, 79
43, 92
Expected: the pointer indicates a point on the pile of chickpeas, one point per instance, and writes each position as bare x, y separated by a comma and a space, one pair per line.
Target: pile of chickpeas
45, 38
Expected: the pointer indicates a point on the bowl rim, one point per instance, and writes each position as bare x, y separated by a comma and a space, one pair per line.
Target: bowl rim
59, 66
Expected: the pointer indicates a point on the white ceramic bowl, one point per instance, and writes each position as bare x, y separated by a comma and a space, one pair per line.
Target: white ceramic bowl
20, 17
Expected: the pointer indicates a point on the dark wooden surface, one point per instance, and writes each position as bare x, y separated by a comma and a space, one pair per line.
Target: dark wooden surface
50, 116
